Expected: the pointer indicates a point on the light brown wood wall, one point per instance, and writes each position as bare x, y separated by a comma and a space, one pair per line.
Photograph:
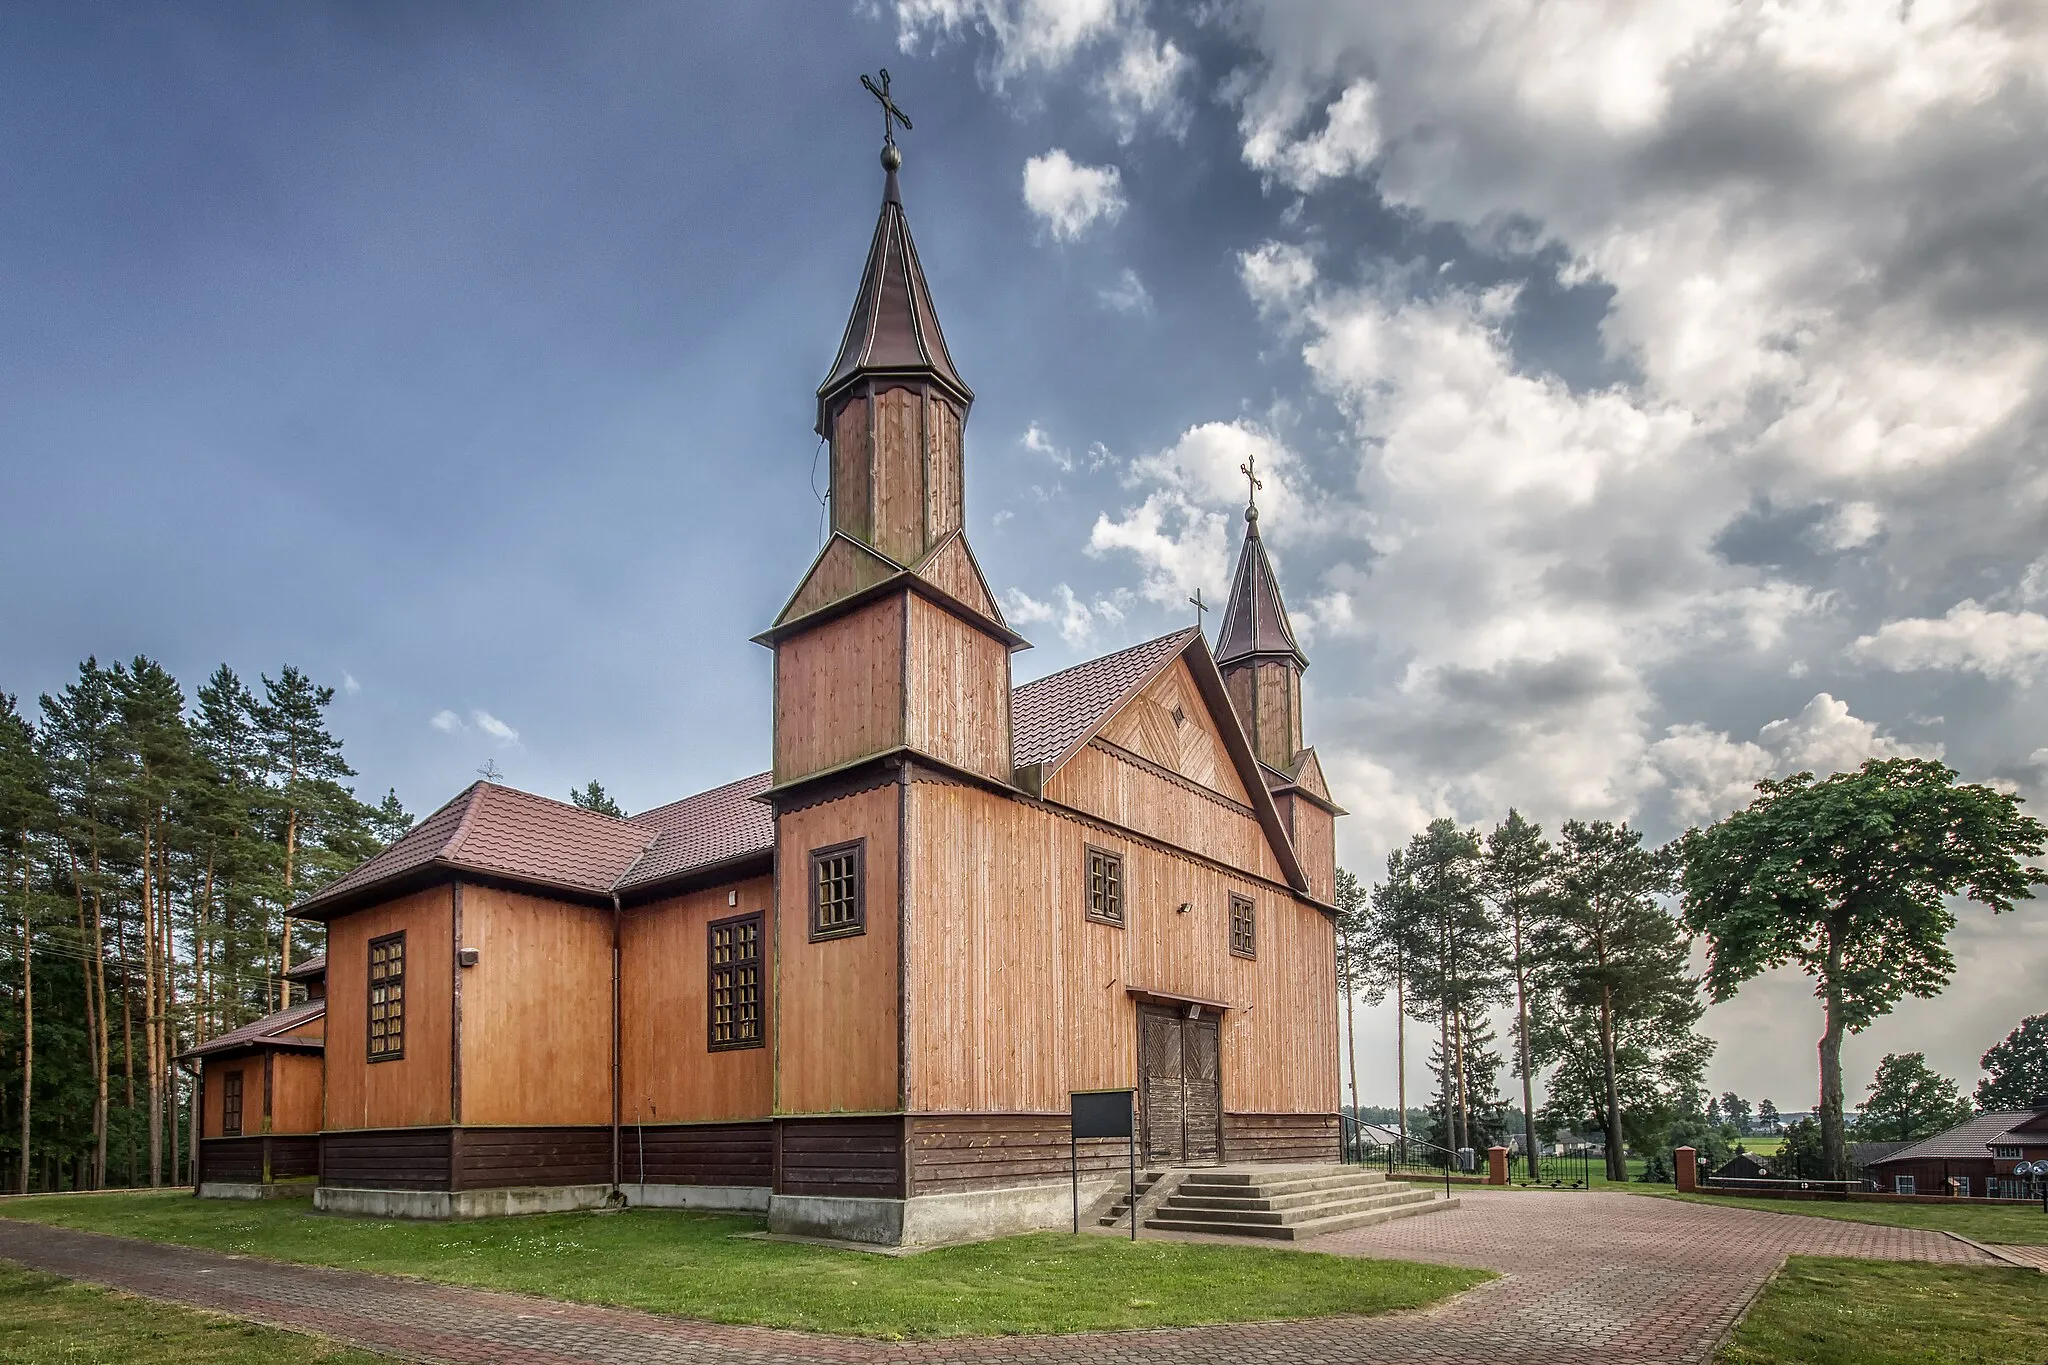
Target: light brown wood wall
1192, 746
413, 1089
211, 1122
839, 690
959, 690
668, 1072
835, 1030
1102, 782
899, 475
842, 570
951, 569
850, 491
1314, 832
945, 468
536, 1010
295, 1092
1016, 999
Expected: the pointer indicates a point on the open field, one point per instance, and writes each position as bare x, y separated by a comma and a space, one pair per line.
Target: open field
49, 1320
1829, 1311
2011, 1225
698, 1265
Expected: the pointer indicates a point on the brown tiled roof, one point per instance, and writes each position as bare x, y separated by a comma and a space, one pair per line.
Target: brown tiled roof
265, 1031
311, 967
698, 831
1970, 1138
1049, 716
1255, 619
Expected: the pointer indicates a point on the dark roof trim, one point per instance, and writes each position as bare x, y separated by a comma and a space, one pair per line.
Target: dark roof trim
1151, 996
871, 771
745, 867
904, 580
1280, 782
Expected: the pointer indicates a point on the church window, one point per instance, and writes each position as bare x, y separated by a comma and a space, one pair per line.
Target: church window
1244, 927
231, 1104
387, 997
1105, 886
839, 890
735, 960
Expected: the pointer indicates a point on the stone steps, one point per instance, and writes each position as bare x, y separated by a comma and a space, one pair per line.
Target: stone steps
1288, 1203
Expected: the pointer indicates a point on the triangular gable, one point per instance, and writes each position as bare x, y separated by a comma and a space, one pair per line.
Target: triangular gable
951, 568
1208, 686
843, 568
1307, 774
1169, 724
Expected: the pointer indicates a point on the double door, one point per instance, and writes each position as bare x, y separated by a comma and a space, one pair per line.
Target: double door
1180, 1091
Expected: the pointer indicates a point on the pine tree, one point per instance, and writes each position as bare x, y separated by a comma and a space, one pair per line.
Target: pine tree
1388, 939
1735, 1110
1466, 1109
388, 819
1354, 909
1457, 969
594, 797
316, 812
1515, 878
1767, 1116
2018, 1068
1614, 964
26, 814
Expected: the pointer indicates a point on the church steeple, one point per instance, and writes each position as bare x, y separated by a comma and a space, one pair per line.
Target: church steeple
893, 406
1256, 650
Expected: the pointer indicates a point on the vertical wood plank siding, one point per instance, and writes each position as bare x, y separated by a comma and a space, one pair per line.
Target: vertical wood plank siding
836, 1000
850, 493
1190, 746
959, 689
699, 1154
943, 486
414, 1089
839, 690
536, 1010
951, 570
387, 1158
1280, 1137
295, 1098
899, 522
1314, 831
855, 1158
1021, 1000
844, 569
667, 1073
1103, 782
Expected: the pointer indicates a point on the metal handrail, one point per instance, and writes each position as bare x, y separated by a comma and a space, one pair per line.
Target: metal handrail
1403, 1142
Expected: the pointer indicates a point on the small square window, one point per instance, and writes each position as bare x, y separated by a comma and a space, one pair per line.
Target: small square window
231, 1104
839, 890
387, 997
1105, 886
735, 983
1244, 927
1903, 1184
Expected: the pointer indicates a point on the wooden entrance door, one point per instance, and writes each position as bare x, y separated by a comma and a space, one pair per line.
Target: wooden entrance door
1180, 1093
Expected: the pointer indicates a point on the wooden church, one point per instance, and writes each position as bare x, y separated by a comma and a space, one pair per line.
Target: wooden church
857, 991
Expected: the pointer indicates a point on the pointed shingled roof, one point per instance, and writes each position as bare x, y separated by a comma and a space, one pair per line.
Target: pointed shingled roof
1255, 621
894, 329
272, 1030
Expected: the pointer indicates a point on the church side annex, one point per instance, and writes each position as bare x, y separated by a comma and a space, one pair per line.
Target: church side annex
856, 991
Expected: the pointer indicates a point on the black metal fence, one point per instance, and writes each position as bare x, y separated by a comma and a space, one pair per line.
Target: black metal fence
1569, 1169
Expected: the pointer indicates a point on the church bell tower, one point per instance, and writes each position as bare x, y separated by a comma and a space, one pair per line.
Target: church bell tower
1258, 656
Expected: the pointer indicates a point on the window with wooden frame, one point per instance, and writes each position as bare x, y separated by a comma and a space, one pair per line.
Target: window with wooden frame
387, 997
839, 890
231, 1104
735, 984
1244, 927
1105, 886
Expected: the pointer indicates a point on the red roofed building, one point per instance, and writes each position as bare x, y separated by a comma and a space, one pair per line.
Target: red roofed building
858, 990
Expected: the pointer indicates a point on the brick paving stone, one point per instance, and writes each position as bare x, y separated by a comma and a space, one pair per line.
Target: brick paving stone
1586, 1279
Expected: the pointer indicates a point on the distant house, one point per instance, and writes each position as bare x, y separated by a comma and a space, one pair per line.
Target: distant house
1978, 1155
1863, 1155
1743, 1166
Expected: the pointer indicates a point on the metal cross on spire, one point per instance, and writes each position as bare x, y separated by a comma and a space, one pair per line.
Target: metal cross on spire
1250, 471
891, 114
1201, 607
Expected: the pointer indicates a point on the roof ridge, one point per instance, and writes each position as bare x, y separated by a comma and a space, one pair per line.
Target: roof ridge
511, 790
695, 796
1103, 658
475, 791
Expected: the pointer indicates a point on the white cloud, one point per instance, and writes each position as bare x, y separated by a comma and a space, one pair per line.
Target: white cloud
1348, 141
1024, 34
1069, 198
1278, 276
1851, 525
447, 722
1078, 622
495, 728
349, 684
1038, 442
1143, 84
1998, 644
1128, 294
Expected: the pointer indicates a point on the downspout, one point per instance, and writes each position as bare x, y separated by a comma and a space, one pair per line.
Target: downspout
618, 1199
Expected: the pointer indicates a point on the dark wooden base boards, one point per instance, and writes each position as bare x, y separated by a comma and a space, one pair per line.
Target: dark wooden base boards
1292, 1138
499, 1158
262, 1159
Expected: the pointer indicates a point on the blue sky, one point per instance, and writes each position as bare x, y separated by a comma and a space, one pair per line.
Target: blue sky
1652, 395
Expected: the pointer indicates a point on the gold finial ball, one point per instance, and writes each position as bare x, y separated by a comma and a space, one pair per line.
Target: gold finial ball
891, 158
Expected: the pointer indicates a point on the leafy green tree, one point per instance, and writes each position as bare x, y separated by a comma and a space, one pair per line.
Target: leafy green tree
1908, 1100
1848, 879
1803, 1154
1614, 963
592, 796
1354, 907
1515, 878
1735, 1112
2018, 1067
1767, 1116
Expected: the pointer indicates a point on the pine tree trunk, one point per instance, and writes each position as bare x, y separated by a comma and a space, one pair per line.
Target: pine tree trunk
1833, 1140
28, 1015
1401, 1055
151, 1006
1617, 1164
291, 842
167, 1032
1522, 1047
1464, 1096
99, 976
96, 1170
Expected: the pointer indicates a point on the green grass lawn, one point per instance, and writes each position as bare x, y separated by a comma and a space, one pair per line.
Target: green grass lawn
49, 1321
694, 1265
1827, 1311
2010, 1224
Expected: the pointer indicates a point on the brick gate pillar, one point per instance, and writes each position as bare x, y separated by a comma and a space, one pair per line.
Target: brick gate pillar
1496, 1165
1687, 1168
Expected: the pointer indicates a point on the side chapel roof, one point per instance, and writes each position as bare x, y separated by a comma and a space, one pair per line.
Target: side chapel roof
1255, 621
894, 329
268, 1031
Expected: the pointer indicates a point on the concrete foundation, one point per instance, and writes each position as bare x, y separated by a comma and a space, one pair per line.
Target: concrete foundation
444, 1204
972, 1215
237, 1189
722, 1198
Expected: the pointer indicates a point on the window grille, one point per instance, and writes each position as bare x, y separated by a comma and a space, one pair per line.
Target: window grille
1244, 927
387, 997
839, 891
735, 986
1105, 886
231, 1104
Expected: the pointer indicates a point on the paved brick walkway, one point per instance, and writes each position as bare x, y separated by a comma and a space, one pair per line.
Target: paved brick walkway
1587, 1279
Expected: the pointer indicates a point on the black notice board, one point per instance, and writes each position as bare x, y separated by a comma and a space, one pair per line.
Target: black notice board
1103, 1113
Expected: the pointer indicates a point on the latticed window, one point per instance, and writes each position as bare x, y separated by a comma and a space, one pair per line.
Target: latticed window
838, 904
1244, 927
231, 1104
735, 960
1105, 886
387, 997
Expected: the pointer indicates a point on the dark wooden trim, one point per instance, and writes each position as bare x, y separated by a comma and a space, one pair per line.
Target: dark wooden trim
388, 1158
268, 1081
903, 905
238, 1091
843, 1157
455, 1009
903, 581
1251, 1137
404, 1003
1123, 886
955, 1152
1247, 945
865, 774
701, 1154
743, 868
711, 970
858, 925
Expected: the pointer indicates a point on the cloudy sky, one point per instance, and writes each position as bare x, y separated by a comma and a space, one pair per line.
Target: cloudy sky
1652, 395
